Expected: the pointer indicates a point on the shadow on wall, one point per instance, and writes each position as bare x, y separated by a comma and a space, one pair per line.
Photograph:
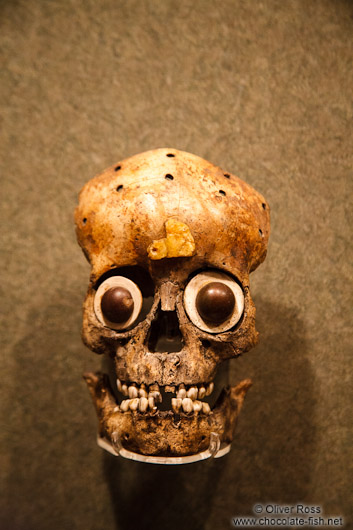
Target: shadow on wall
275, 443
271, 456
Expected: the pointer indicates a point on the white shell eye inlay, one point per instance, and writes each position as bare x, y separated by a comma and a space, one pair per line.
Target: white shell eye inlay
132, 291
199, 282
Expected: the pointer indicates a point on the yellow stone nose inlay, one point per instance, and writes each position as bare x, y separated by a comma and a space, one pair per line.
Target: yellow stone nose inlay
177, 243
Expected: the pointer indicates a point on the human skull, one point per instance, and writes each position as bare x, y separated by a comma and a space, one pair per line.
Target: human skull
171, 240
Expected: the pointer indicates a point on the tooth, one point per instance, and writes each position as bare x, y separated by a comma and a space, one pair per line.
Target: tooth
202, 392
151, 402
156, 396
116, 409
143, 404
209, 389
124, 405
206, 409
192, 393
124, 389
118, 384
187, 405
197, 406
176, 404
142, 393
181, 392
154, 388
170, 388
134, 403
133, 393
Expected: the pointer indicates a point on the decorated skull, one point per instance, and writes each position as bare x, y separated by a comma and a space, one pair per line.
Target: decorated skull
171, 240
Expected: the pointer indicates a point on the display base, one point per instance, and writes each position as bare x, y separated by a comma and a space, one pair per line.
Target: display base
215, 450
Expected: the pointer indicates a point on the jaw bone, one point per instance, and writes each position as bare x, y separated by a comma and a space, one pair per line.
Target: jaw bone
164, 433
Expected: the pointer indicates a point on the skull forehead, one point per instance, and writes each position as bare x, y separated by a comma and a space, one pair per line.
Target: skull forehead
122, 210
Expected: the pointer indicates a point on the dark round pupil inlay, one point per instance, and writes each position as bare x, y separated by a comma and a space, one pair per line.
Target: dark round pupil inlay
117, 305
215, 302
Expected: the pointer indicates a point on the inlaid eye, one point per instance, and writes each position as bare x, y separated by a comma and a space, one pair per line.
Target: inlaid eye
118, 302
117, 305
213, 301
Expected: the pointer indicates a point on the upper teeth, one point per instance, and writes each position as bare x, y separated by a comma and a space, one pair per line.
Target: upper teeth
156, 396
202, 392
209, 389
192, 393
145, 398
181, 393
142, 392
133, 392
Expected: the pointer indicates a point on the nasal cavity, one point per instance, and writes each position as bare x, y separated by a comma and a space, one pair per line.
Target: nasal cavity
165, 336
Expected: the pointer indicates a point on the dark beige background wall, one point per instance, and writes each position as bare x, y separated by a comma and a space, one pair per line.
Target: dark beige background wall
263, 89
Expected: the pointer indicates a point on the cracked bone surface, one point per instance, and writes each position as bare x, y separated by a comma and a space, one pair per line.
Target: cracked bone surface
165, 224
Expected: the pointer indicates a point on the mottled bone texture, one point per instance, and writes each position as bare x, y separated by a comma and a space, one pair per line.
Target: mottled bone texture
120, 213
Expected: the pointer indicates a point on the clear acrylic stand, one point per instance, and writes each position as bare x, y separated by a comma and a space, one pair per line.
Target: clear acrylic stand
214, 450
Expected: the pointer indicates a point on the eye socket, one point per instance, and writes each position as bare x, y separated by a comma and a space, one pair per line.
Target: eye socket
213, 301
118, 302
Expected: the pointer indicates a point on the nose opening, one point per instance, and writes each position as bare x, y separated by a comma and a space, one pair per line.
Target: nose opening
165, 335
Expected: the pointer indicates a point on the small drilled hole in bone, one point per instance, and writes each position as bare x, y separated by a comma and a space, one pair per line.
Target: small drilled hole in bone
169, 177
120, 187
170, 155
264, 206
260, 232
84, 220
206, 343
227, 176
117, 168
222, 192
203, 437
